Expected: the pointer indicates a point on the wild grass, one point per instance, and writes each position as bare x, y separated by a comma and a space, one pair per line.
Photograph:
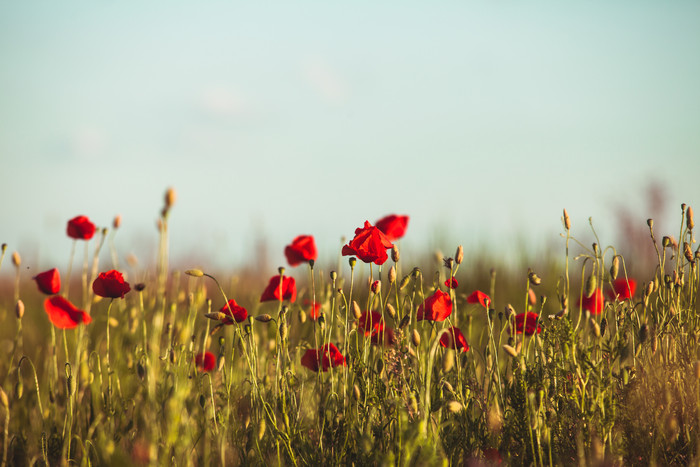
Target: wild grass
619, 387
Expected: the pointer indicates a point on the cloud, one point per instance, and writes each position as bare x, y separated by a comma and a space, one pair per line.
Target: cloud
325, 81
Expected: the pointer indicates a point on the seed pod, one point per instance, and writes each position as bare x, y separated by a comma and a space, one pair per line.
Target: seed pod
19, 309
404, 282
334, 275
591, 283
454, 406
666, 241
459, 255
614, 269
650, 223
356, 310
567, 220
352, 261
415, 338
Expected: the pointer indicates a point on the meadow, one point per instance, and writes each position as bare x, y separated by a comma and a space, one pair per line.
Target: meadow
573, 359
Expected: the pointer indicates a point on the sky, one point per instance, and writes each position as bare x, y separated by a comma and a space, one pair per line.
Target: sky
480, 120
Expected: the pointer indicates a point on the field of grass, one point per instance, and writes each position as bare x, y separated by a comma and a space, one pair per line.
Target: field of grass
572, 360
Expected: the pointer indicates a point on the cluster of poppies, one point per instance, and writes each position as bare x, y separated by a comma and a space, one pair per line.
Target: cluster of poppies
622, 289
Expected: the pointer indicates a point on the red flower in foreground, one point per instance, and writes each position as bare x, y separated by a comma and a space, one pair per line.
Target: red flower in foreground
454, 339
527, 323
479, 297
371, 322
331, 358
273, 291
205, 361
49, 282
80, 228
622, 289
437, 307
110, 284
393, 226
63, 314
383, 337
451, 283
369, 245
594, 304
301, 250
233, 311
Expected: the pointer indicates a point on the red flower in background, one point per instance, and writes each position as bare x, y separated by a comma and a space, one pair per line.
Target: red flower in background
273, 291
49, 282
314, 309
371, 322
205, 361
393, 226
451, 283
454, 339
332, 357
302, 249
594, 304
437, 307
233, 311
383, 337
622, 289
63, 314
110, 284
527, 323
369, 245
80, 228
479, 297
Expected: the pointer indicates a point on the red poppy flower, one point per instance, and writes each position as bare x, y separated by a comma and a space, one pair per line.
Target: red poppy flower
233, 311
384, 337
205, 361
594, 304
527, 323
80, 228
451, 283
454, 339
622, 289
393, 226
437, 307
301, 250
331, 358
63, 314
314, 309
369, 245
370, 322
49, 282
479, 297
110, 284
376, 286
273, 291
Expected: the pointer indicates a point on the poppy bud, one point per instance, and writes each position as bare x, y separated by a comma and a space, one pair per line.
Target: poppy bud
448, 361
356, 392
404, 321
415, 338
459, 255
395, 254
356, 310
689, 222
390, 309
510, 311
19, 309
376, 287
264, 318
170, 197
3, 399
404, 282
261, 429
194, 272
534, 278
334, 275
19, 388
16, 259
615, 267
567, 220
216, 315
283, 330
590, 285
510, 350
687, 252
454, 406
595, 327
415, 273
392, 275
117, 222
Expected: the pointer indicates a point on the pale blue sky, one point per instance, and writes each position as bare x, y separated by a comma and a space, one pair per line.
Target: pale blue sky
478, 119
